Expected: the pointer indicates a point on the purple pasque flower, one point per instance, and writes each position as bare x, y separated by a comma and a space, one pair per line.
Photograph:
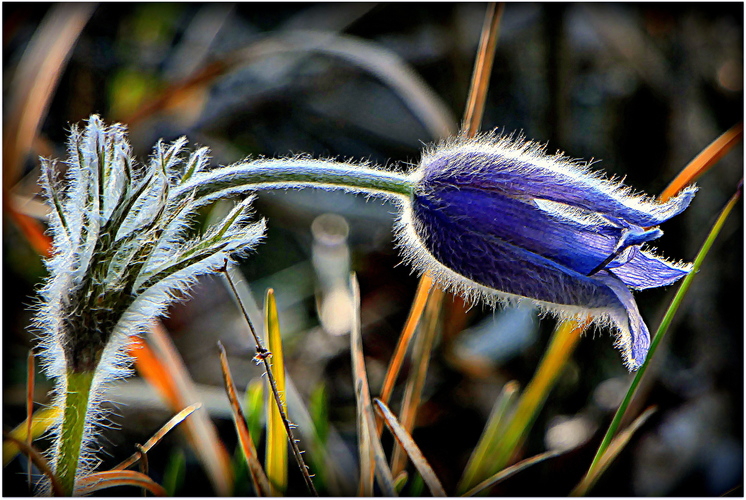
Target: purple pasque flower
497, 218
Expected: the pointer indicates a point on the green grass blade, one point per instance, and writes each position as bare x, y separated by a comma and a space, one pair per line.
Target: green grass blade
173, 477
678, 298
480, 460
276, 460
254, 407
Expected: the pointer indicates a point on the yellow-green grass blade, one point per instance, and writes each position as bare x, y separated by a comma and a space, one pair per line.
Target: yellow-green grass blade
42, 420
507, 472
38, 460
276, 460
663, 329
531, 401
480, 461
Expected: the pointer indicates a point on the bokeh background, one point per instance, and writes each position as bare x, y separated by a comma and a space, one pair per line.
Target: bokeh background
639, 88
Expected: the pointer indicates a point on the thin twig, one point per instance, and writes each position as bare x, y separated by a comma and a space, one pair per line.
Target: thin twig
263, 355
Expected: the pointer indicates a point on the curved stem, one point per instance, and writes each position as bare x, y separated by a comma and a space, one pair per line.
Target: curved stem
296, 173
73, 425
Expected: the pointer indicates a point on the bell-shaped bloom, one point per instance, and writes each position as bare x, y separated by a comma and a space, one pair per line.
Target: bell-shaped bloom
497, 218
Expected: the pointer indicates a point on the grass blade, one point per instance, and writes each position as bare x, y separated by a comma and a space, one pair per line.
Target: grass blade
167, 427
41, 421
173, 476
109, 479
663, 328
413, 451
200, 430
413, 391
38, 460
510, 471
480, 461
372, 457
415, 313
704, 160
483, 68
261, 483
30, 374
615, 447
276, 460
562, 345
254, 405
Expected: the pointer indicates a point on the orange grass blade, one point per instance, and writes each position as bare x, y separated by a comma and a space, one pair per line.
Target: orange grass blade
38, 460
261, 483
173, 422
482, 69
418, 306
109, 479
200, 430
510, 471
276, 460
153, 370
42, 420
413, 392
372, 457
35, 80
31, 228
704, 160
616, 446
415, 455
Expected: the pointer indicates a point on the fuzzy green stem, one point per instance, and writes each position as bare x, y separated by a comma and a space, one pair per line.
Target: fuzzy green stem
73, 425
297, 173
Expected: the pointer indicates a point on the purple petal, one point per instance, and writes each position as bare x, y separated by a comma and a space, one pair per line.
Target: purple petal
484, 258
546, 178
646, 270
579, 247
634, 337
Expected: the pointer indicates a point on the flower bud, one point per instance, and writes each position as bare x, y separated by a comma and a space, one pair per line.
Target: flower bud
497, 218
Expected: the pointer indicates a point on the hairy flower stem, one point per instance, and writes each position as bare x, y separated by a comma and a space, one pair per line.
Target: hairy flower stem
297, 173
73, 426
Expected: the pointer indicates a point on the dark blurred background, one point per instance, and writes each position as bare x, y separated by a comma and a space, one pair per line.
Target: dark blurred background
640, 88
